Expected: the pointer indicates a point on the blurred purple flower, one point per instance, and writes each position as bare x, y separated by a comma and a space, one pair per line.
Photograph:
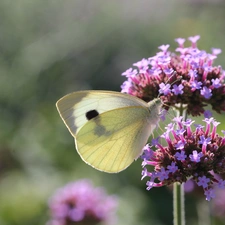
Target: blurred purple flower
218, 204
81, 203
194, 40
189, 186
207, 114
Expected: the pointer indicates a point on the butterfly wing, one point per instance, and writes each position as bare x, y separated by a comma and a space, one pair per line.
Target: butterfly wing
73, 108
114, 139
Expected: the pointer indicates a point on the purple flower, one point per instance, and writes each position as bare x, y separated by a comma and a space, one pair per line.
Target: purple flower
206, 92
216, 51
193, 74
164, 47
178, 119
196, 85
204, 141
221, 183
207, 114
209, 120
180, 41
169, 127
129, 73
172, 168
163, 174
163, 61
155, 141
126, 87
150, 185
216, 83
180, 156
194, 40
147, 152
180, 132
164, 89
141, 64
80, 202
209, 193
203, 181
188, 122
168, 71
199, 126
178, 89
180, 145
195, 156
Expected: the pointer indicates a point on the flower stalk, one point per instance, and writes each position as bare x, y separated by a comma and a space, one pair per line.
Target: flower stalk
178, 204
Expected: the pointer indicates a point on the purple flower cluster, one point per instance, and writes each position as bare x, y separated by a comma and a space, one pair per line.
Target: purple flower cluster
81, 203
191, 152
187, 77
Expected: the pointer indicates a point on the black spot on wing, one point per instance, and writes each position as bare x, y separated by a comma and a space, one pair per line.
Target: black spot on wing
100, 129
91, 114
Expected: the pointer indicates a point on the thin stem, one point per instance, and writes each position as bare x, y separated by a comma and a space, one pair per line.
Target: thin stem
178, 189
178, 204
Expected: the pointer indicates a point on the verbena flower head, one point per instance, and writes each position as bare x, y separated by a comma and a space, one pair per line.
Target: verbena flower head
81, 203
191, 152
187, 77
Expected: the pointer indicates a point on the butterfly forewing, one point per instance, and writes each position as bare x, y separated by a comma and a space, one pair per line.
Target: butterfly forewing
114, 139
74, 107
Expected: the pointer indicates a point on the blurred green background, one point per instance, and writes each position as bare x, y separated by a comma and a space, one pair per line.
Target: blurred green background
49, 48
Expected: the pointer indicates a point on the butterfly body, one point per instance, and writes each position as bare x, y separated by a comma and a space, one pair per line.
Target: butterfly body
110, 128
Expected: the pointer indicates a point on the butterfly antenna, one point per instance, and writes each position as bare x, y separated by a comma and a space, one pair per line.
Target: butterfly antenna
174, 80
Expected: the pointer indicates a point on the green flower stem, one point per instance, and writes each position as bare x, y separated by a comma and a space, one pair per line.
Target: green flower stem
178, 204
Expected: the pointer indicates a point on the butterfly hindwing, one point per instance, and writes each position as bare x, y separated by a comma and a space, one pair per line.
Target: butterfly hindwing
114, 139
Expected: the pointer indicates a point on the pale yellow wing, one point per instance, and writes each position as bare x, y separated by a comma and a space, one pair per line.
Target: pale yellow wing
74, 107
111, 141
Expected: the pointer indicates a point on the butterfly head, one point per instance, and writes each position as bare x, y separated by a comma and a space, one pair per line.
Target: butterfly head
155, 107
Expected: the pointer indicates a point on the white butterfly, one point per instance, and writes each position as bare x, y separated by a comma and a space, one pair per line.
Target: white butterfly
110, 128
